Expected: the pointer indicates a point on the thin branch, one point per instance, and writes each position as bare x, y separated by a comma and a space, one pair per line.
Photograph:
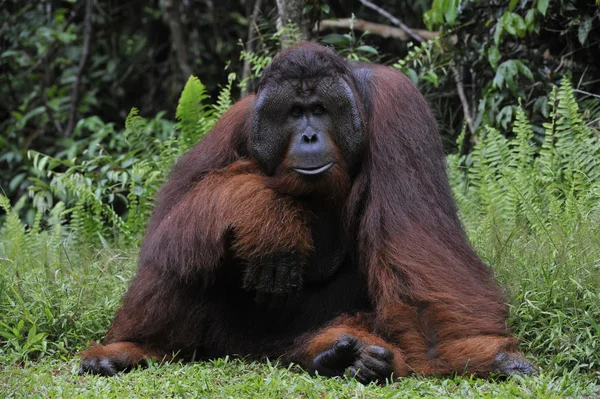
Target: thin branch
62, 244
587, 93
582, 76
590, 82
590, 123
49, 111
393, 19
31, 138
250, 44
85, 53
178, 37
465, 104
385, 31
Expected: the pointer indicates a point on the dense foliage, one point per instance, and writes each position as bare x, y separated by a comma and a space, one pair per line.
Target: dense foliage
525, 174
531, 211
109, 185
132, 61
501, 50
506, 52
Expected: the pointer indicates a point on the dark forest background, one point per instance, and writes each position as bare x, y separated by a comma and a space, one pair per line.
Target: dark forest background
98, 99
69, 69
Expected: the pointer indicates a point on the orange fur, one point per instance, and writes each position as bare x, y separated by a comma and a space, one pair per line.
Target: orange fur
357, 326
125, 355
268, 220
403, 267
234, 199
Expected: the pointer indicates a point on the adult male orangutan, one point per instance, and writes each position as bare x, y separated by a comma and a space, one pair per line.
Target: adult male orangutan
315, 224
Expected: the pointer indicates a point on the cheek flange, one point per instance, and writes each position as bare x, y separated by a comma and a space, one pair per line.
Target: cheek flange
269, 139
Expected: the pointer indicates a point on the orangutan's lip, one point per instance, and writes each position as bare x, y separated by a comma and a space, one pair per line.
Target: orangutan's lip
314, 171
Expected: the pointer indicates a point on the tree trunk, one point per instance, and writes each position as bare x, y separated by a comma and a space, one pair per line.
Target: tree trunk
291, 11
250, 44
178, 37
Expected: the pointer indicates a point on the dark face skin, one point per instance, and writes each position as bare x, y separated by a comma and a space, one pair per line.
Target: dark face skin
306, 125
311, 151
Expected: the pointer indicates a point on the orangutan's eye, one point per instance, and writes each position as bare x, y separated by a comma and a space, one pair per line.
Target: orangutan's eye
319, 109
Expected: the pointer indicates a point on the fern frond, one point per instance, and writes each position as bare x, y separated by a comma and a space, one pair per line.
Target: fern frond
512, 183
194, 118
224, 100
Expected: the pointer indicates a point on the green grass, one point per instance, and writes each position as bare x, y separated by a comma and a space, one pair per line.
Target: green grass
56, 295
533, 213
224, 378
539, 228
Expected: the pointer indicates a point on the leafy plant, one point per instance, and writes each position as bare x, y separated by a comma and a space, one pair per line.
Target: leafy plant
426, 63
352, 46
534, 212
506, 52
533, 186
109, 185
54, 296
531, 209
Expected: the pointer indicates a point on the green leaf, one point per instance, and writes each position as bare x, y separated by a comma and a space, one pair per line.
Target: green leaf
434, 17
494, 56
16, 181
325, 8
524, 70
432, 77
193, 116
498, 32
66, 37
9, 53
542, 6
191, 96
367, 49
450, 11
541, 105
504, 117
412, 75
506, 74
441, 10
30, 114
512, 5
337, 39
584, 29
530, 20
514, 24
